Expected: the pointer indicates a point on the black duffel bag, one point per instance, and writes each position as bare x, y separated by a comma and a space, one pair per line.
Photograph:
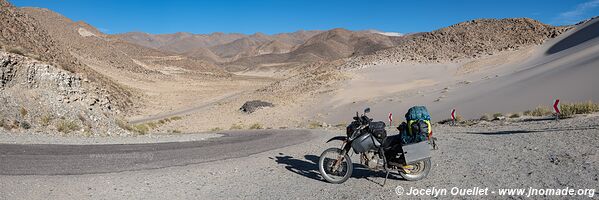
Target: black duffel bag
378, 129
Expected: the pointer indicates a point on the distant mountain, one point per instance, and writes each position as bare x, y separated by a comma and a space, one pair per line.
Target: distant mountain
219, 47
325, 46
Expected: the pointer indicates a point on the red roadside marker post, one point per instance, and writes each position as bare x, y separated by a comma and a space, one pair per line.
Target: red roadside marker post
557, 108
453, 117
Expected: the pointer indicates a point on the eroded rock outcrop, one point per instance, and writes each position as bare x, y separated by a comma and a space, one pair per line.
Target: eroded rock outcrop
35, 96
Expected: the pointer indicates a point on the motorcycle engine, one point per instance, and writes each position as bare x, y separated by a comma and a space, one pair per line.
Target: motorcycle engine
371, 160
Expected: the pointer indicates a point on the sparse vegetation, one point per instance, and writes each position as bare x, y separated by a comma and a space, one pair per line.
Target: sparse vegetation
145, 128
216, 129
497, 115
570, 109
45, 120
256, 126
314, 125
515, 115
23, 111
236, 126
8, 125
16, 50
66, 126
2, 123
538, 111
124, 125
175, 131
485, 117
25, 125
152, 125
176, 118
341, 125
459, 118
142, 129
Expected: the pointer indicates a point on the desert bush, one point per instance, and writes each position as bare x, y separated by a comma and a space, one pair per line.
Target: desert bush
314, 125
497, 115
23, 111
236, 126
538, 111
175, 131
25, 125
152, 125
570, 109
176, 118
515, 115
66, 126
485, 117
45, 120
256, 126
341, 125
124, 125
445, 121
141, 129
216, 129
459, 118
16, 50
8, 125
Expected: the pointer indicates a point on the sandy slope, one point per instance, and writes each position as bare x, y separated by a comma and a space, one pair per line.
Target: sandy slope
565, 68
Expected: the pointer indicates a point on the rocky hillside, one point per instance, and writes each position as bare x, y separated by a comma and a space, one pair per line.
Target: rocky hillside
93, 46
22, 34
35, 96
469, 39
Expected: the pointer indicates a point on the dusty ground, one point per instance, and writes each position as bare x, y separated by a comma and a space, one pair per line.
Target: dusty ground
536, 153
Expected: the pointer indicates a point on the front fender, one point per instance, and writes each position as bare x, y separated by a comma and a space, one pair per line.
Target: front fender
340, 138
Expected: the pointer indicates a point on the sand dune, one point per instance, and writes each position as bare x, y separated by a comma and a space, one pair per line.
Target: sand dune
565, 68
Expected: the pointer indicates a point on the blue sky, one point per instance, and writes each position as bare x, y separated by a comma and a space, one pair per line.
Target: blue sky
276, 16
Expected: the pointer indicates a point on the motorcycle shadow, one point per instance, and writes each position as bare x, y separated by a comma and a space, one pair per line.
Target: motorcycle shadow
308, 167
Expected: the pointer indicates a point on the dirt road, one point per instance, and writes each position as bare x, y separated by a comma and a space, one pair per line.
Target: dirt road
532, 154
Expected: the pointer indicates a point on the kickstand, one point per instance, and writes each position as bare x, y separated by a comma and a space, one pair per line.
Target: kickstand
386, 176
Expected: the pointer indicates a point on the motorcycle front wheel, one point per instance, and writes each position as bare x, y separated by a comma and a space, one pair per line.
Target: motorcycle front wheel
419, 171
335, 166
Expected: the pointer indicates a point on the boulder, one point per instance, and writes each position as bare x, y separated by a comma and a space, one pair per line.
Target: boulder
251, 106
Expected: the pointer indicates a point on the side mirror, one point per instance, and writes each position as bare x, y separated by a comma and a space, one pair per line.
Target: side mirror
367, 110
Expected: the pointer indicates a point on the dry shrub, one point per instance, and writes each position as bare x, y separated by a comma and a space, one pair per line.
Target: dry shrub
538, 111
66, 126
570, 109
256, 126
236, 126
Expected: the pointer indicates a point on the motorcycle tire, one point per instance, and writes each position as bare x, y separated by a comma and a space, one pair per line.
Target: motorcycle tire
422, 168
323, 161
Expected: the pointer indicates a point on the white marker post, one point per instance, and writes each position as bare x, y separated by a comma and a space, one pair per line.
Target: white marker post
557, 109
390, 119
453, 117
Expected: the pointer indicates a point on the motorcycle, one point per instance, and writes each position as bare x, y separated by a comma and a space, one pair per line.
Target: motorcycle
377, 152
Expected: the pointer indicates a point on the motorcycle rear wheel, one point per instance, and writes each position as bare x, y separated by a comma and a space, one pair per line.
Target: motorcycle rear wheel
328, 159
420, 171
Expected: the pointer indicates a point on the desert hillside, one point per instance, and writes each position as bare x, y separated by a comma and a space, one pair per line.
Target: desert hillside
308, 77
471, 39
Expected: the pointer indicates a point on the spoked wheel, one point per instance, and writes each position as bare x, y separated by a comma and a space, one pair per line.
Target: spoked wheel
334, 166
417, 171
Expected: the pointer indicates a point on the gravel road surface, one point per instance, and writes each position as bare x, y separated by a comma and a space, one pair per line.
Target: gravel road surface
542, 154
